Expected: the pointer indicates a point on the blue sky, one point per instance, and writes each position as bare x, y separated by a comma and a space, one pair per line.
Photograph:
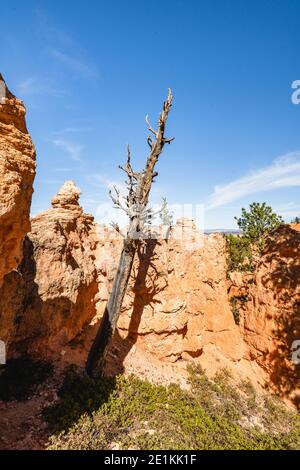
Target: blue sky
89, 72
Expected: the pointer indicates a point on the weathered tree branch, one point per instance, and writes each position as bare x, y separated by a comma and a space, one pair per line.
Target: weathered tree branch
116, 200
139, 186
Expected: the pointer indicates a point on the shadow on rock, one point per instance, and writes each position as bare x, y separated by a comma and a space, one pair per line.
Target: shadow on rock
283, 280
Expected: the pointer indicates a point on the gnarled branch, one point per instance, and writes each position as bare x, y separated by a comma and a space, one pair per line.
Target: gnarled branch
139, 186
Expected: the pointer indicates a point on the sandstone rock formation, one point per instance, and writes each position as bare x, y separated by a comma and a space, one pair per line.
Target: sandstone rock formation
177, 306
67, 197
55, 276
270, 308
54, 290
17, 171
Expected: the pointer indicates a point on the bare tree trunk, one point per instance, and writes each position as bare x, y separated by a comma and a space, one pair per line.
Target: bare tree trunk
97, 355
139, 186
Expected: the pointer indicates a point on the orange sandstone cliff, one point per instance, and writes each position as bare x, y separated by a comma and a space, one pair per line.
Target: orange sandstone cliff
269, 303
180, 306
17, 171
51, 296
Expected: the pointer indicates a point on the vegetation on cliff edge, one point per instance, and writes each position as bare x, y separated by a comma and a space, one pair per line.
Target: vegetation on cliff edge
122, 413
244, 250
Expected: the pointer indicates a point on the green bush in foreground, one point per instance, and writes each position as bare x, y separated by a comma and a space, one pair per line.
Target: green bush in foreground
124, 413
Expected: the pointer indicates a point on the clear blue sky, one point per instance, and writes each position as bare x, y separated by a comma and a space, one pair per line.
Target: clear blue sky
90, 71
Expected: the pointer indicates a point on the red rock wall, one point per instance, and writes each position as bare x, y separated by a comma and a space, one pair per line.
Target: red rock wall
271, 318
17, 171
177, 307
177, 304
56, 284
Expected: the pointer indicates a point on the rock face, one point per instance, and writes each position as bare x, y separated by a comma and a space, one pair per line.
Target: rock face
271, 312
57, 279
180, 306
67, 197
17, 171
177, 305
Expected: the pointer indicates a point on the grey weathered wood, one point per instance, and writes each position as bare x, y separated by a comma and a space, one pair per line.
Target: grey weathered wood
135, 205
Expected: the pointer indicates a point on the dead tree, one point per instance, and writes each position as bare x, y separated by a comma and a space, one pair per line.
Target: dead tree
135, 204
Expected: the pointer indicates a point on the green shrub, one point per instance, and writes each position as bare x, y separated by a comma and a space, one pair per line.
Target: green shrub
78, 395
235, 310
239, 253
124, 413
243, 250
258, 222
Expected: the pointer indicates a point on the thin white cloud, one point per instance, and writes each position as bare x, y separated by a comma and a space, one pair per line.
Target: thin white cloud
52, 181
72, 149
90, 201
62, 169
38, 86
284, 172
72, 130
288, 210
109, 184
47, 31
77, 65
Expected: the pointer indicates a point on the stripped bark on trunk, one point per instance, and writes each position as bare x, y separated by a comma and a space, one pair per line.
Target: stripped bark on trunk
135, 204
